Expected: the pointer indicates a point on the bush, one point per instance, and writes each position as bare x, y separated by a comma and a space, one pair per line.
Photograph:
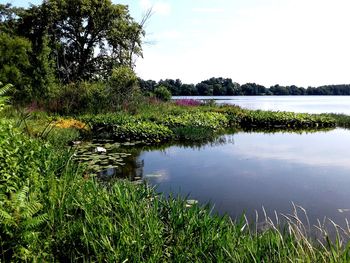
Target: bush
162, 93
121, 87
78, 97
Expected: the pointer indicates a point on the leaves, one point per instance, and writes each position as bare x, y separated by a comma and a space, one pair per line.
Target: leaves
3, 99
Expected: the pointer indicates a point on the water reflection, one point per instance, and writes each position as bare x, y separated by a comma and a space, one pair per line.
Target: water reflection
131, 170
245, 171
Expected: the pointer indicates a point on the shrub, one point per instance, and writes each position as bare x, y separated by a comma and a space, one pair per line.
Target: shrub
78, 97
162, 93
122, 86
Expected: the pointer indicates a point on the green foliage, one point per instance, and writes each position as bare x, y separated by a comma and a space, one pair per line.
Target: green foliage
260, 118
162, 93
156, 127
126, 127
209, 120
64, 42
122, 87
21, 216
341, 120
142, 131
4, 99
43, 78
194, 134
19, 157
62, 137
78, 98
198, 122
15, 64
87, 38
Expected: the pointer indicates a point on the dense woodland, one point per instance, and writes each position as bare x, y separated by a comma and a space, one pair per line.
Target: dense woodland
226, 87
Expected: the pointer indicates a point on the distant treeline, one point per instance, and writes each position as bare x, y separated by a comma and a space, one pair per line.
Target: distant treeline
226, 87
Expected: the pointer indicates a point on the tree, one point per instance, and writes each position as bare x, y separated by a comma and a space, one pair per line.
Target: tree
188, 90
204, 89
279, 90
86, 38
15, 64
253, 89
92, 37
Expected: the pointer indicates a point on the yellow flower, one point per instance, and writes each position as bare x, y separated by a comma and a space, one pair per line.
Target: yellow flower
70, 123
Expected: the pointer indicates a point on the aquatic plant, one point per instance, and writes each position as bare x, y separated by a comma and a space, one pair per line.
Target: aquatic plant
126, 127
260, 118
150, 128
342, 120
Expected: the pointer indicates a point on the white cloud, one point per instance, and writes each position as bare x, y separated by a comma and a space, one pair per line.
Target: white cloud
158, 7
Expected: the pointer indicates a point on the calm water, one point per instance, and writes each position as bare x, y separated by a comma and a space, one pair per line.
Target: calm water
245, 171
308, 104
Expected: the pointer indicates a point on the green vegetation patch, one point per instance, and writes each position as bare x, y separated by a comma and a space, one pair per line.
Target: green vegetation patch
171, 122
260, 118
127, 128
209, 120
156, 127
341, 120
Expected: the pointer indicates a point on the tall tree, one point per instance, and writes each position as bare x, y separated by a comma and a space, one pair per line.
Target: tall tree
86, 38
14, 63
91, 37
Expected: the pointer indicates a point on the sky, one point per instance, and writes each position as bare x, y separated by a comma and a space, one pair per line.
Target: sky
286, 42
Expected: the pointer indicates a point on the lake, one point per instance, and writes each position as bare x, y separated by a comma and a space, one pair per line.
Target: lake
243, 172
307, 104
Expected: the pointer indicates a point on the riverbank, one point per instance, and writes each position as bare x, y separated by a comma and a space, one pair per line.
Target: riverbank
52, 209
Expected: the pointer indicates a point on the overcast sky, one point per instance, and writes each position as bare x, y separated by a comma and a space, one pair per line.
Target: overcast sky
302, 42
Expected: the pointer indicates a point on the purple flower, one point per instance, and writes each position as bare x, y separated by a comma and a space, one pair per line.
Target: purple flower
188, 102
